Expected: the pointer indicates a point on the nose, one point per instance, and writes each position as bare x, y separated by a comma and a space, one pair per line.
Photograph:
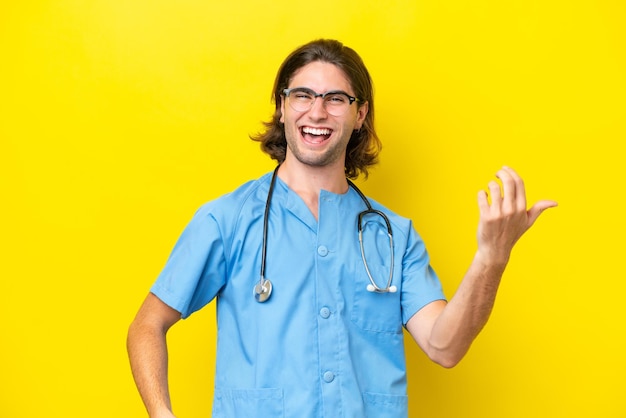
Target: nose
318, 109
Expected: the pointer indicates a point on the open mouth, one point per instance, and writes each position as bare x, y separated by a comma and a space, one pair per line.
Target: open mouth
315, 135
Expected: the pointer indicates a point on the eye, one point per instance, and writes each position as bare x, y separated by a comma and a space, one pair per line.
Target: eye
337, 98
302, 95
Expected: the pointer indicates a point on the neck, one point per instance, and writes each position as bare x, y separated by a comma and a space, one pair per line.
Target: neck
308, 181
311, 180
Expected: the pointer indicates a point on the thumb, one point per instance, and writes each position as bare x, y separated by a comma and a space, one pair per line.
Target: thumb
538, 208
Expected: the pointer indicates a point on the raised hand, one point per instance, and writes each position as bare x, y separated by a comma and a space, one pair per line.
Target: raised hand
506, 218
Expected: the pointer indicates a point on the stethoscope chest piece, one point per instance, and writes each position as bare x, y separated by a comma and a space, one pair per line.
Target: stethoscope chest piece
263, 290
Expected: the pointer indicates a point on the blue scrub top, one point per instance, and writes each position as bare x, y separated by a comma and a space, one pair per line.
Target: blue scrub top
322, 345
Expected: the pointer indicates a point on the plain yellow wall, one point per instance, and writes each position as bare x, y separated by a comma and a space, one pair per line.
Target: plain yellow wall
119, 118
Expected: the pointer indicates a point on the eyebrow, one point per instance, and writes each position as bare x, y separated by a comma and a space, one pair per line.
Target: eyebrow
336, 91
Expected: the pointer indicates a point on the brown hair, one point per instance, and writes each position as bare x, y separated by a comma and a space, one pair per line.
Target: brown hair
364, 145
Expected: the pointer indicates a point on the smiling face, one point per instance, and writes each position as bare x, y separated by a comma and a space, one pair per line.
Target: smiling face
314, 137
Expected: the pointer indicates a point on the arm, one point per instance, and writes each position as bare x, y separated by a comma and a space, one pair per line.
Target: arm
445, 331
147, 351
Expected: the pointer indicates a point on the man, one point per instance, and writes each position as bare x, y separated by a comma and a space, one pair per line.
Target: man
310, 317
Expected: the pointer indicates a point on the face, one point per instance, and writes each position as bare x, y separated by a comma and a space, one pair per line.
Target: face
314, 137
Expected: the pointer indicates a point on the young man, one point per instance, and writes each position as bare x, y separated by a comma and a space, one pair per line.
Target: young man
313, 285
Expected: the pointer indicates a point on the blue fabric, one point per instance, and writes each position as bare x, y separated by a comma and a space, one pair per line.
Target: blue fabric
322, 345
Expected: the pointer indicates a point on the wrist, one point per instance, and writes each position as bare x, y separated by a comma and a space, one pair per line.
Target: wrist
492, 260
165, 413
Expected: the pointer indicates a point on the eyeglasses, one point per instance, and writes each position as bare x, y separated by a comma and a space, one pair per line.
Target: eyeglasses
336, 102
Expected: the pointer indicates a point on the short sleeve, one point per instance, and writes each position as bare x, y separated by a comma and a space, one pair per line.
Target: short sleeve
195, 270
420, 283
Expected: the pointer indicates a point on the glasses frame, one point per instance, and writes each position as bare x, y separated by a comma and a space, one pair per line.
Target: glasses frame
351, 99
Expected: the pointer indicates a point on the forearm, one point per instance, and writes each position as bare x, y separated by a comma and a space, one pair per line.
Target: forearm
445, 331
466, 314
147, 351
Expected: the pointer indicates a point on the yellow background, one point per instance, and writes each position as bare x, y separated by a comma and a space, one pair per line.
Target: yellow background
119, 118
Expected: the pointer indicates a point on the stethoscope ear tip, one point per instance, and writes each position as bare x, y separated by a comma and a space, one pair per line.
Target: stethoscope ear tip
391, 289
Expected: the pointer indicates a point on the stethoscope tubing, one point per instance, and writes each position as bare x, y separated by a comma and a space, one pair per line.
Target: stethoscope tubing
263, 289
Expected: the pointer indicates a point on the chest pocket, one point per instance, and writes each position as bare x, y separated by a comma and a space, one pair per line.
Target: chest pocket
371, 311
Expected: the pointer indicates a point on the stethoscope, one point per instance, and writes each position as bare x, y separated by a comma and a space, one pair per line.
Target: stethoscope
263, 289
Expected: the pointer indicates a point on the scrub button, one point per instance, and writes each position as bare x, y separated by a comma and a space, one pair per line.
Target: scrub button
322, 250
324, 312
329, 377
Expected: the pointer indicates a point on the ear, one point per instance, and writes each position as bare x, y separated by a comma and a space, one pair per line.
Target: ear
361, 113
282, 109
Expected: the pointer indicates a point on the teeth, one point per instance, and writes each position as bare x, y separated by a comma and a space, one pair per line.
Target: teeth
316, 131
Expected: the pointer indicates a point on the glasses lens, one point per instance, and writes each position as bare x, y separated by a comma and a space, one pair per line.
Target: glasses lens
302, 99
336, 104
